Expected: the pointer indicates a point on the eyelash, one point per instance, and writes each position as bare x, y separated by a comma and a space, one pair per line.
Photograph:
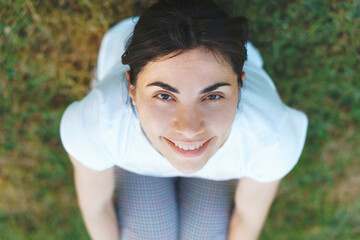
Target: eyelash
167, 97
158, 96
218, 97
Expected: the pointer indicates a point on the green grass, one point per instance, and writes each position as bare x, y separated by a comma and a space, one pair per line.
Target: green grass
48, 49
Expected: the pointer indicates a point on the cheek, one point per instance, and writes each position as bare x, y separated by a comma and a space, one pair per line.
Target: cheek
221, 118
219, 122
154, 120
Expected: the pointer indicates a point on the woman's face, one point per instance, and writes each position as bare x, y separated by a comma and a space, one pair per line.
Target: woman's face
186, 106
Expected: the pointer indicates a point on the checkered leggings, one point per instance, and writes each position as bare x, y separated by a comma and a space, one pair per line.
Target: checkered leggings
172, 208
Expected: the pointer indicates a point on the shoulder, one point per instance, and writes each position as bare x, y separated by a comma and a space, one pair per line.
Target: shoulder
273, 134
84, 125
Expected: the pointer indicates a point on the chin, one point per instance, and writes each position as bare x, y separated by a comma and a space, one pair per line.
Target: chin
188, 166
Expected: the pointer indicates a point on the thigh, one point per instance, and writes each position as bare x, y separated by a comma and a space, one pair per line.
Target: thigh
205, 208
146, 206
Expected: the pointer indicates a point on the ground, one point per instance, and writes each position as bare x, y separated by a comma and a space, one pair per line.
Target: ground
48, 50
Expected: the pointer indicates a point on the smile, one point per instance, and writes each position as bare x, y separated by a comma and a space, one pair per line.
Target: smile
186, 150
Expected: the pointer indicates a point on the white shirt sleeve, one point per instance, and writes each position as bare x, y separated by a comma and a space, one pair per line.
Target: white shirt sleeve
81, 133
276, 160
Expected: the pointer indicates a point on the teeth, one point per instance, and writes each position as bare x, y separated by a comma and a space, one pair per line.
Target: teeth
189, 148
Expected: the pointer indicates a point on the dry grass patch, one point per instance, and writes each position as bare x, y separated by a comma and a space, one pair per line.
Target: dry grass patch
340, 156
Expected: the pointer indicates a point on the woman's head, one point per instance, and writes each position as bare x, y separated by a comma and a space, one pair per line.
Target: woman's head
185, 77
172, 27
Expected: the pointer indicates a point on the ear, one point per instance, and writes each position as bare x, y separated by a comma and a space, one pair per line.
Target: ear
243, 75
131, 89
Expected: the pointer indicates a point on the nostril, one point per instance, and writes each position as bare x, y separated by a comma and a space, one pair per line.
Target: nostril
189, 128
189, 121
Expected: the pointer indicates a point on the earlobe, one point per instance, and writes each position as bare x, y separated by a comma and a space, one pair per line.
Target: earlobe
131, 89
132, 94
243, 75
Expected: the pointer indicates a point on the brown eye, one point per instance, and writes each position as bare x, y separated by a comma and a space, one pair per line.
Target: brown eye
213, 97
164, 96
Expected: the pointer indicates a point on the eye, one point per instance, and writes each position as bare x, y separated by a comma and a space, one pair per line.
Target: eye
213, 97
164, 96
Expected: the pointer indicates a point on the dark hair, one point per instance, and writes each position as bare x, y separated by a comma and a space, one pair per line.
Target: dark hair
177, 26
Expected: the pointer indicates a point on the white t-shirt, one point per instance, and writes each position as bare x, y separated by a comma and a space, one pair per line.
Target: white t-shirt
102, 131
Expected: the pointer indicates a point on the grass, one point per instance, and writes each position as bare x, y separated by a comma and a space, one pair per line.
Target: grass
47, 52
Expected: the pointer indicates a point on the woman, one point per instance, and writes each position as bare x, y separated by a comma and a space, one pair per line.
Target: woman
201, 146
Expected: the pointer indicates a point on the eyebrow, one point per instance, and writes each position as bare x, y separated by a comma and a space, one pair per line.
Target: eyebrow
164, 86
172, 89
214, 87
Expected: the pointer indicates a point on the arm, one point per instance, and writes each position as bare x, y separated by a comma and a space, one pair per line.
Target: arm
252, 203
94, 191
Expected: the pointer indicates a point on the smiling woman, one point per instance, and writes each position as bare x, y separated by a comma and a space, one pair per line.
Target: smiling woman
191, 110
189, 124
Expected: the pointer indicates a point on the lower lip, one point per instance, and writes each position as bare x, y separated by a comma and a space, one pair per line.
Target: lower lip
189, 153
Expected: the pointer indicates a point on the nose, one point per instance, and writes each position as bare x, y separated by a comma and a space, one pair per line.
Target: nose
189, 121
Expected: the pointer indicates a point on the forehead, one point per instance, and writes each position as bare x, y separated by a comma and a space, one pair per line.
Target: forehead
194, 65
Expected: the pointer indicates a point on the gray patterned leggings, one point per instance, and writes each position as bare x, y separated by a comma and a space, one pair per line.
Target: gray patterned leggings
172, 208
